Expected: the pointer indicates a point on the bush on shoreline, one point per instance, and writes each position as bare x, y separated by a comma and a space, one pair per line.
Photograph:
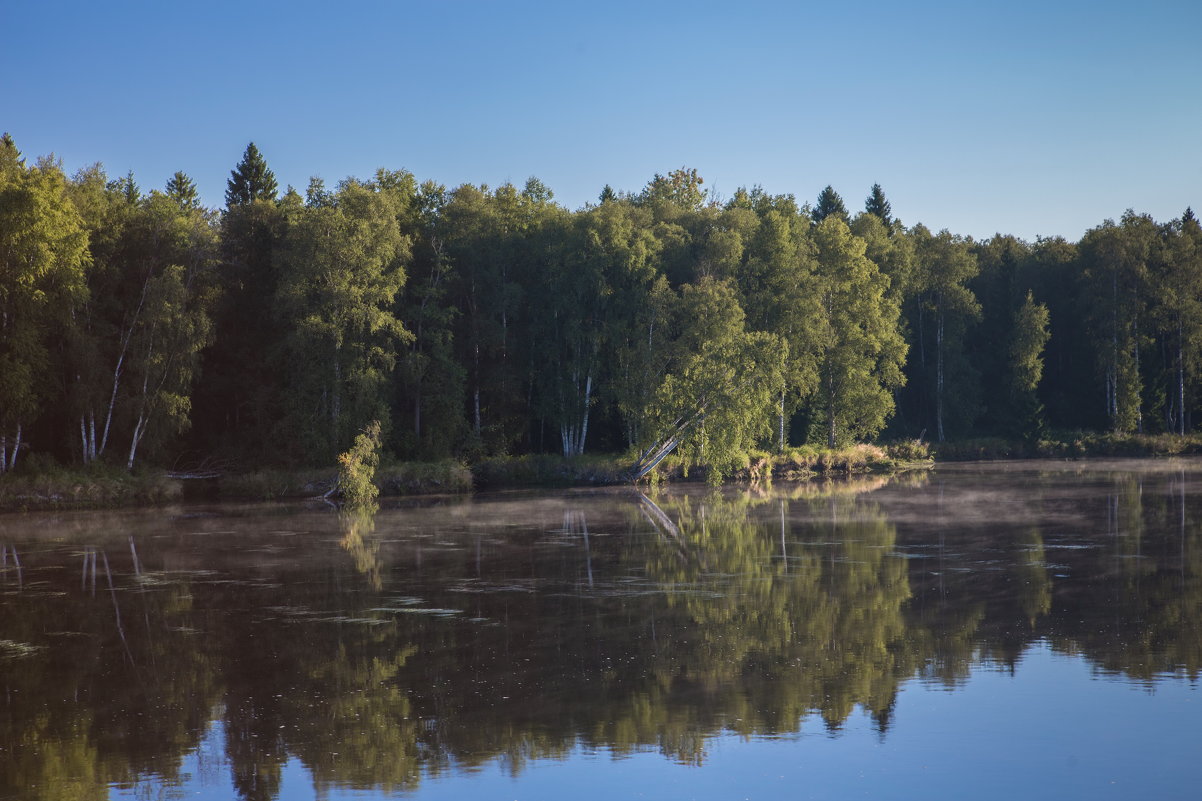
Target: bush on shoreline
1069, 445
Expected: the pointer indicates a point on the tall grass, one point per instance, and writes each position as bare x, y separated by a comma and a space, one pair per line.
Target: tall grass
93, 487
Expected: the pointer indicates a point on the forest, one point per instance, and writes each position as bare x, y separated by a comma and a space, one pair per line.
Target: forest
142, 328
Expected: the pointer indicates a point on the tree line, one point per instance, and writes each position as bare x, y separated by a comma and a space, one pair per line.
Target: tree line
476, 321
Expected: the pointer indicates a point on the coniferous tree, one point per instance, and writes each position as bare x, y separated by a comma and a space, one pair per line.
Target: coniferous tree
240, 397
250, 180
1030, 336
129, 188
829, 203
182, 190
878, 205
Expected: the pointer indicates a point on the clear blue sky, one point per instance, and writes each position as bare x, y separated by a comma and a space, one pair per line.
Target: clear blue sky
1030, 118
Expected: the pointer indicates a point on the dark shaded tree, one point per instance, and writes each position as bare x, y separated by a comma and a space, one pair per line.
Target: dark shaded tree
829, 203
251, 180
877, 204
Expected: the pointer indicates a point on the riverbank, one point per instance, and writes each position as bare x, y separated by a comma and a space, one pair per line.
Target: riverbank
104, 487
1068, 445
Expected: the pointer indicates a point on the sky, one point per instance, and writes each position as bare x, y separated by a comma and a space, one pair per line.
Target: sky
1034, 119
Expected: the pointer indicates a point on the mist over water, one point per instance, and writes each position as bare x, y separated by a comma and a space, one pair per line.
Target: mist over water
892, 638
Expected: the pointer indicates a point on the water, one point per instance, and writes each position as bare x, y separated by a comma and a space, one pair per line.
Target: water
1021, 630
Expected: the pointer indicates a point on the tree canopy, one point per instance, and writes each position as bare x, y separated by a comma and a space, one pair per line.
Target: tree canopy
473, 321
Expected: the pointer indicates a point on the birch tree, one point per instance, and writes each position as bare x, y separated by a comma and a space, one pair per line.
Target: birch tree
779, 287
1114, 259
43, 256
171, 251
717, 400
593, 297
430, 381
1177, 286
340, 268
860, 347
944, 265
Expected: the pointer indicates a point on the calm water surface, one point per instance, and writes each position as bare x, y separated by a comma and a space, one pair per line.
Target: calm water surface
1027, 630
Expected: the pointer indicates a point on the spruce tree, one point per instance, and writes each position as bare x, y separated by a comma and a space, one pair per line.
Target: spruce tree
128, 188
829, 203
182, 190
878, 205
250, 180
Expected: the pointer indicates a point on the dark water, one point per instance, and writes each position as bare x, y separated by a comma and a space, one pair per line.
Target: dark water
1006, 631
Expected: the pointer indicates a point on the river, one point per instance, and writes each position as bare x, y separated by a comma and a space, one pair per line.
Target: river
988, 631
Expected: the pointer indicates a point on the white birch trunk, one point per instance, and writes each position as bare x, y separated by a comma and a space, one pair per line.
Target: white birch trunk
781, 419
1180, 380
588, 396
108, 420
135, 440
12, 459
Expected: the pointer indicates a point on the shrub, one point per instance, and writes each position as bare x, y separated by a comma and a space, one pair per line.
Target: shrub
357, 468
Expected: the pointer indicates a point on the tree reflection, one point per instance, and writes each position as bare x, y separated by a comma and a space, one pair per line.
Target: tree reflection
358, 527
505, 631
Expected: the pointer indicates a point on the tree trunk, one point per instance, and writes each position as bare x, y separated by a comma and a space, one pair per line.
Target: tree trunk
12, 459
830, 411
108, 420
588, 394
1139, 401
781, 419
939, 376
135, 440
336, 399
1180, 379
417, 417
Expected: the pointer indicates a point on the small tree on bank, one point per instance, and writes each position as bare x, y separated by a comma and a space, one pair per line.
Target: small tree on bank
357, 469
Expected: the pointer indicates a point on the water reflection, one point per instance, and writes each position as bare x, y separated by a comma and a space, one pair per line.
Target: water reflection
380, 650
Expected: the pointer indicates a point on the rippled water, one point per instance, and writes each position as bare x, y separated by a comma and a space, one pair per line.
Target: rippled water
1021, 630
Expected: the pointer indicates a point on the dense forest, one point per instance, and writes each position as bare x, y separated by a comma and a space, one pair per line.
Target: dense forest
141, 326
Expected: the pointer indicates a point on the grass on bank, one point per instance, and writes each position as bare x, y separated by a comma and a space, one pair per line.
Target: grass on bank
44, 485
1069, 445
794, 464
52, 487
392, 478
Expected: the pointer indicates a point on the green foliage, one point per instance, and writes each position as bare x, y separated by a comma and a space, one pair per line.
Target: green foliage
339, 267
1026, 359
679, 189
861, 350
250, 180
182, 190
723, 382
829, 203
43, 263
878, 206
1116, 285
357, 469
478, 322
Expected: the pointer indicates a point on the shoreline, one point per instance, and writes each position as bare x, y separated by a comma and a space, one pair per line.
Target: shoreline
108, 488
